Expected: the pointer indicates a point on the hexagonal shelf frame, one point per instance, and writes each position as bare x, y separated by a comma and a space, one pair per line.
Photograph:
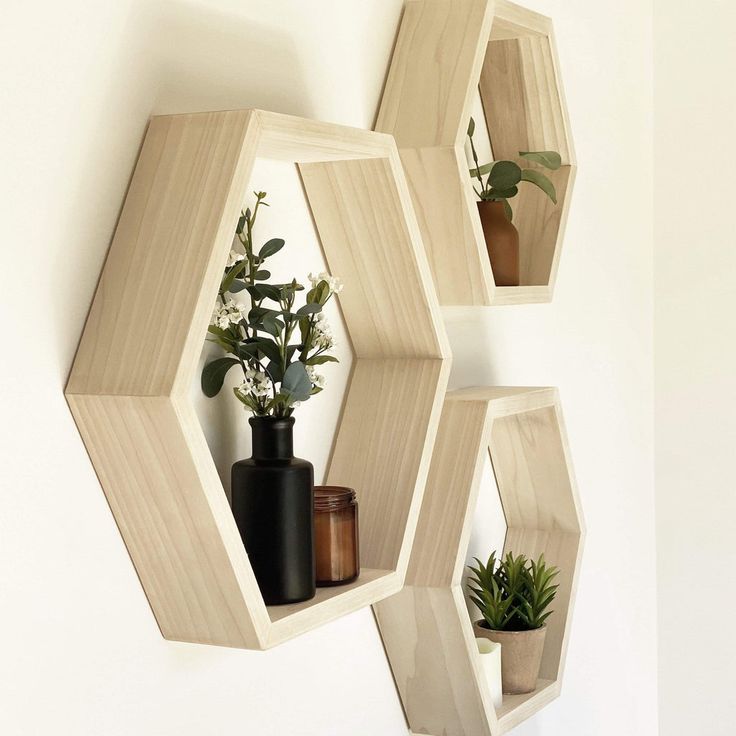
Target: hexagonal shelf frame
446, 50
426, 627
129, 386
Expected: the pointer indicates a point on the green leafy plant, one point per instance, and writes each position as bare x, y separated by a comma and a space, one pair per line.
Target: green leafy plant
503, 177
276, 344
513, 594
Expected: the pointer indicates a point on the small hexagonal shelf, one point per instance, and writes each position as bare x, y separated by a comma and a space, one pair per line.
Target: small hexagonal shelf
447, 51
426, 627
129, 386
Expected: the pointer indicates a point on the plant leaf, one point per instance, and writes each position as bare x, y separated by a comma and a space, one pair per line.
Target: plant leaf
232, 274
270, 247
503, 194
264, 291
471, 126
319, 294
261, 275
296, 384
548, 159
504, 175
270, 349
320, 359
213, 375
484, 169
538, 178
271, 325
236, 286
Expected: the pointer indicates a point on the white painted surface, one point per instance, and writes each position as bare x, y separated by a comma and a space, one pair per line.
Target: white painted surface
695, 297
81, 654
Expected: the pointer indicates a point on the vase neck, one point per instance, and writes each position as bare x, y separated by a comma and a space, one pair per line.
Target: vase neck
272, 438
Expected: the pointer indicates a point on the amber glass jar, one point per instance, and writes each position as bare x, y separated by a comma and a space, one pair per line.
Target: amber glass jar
336, 535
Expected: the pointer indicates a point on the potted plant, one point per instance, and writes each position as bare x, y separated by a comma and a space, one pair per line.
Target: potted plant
278, 347
513, 596
494, 191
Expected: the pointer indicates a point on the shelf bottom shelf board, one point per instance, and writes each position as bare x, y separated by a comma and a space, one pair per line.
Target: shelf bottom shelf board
517, 708
330, 603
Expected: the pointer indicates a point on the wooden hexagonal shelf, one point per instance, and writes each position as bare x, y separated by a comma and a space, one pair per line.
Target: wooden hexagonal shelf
129, 385
445, 52
426, 627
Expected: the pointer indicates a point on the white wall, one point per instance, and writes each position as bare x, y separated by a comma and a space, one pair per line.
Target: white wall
695, 297
81, 653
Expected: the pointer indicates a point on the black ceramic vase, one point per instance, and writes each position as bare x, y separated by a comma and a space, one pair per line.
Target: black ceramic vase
273, 505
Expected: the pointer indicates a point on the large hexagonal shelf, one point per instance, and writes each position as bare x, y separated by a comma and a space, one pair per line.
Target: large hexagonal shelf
447, 51
129, 386
426, 627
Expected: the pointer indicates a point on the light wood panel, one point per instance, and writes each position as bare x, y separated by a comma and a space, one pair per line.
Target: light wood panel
439, 49
434, 659
426, 628
129, 386
521, 100
169, 250
447, 51
388, 302
383, 449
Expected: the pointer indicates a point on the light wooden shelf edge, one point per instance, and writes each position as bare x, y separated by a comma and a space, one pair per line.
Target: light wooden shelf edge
129, 385
426, 627
444, 54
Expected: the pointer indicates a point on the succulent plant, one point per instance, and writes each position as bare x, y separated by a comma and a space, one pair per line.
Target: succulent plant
513, 593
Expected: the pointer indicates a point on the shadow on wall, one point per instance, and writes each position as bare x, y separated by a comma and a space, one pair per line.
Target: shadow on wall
170, 58
216, 61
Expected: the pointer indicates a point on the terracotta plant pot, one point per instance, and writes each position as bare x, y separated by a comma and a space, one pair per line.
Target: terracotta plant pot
502, 242
521, 656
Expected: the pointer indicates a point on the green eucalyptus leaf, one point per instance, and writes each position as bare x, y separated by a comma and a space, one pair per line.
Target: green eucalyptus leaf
319, 294
267, 291
213, 375
548, 159
223, 334
270, 247
232, 274
271, 325
321, 359
309, 309
256, 314
261, 275
538, 178
274, 370
236, 286
269, 348
471, 126
504, 175
296, 383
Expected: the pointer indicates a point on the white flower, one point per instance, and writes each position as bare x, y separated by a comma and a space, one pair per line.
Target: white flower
322, 333
234, 258
317, 379
256, 383
333, 282
229, 314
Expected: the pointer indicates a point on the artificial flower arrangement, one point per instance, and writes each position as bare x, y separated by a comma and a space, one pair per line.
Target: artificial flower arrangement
277, 346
